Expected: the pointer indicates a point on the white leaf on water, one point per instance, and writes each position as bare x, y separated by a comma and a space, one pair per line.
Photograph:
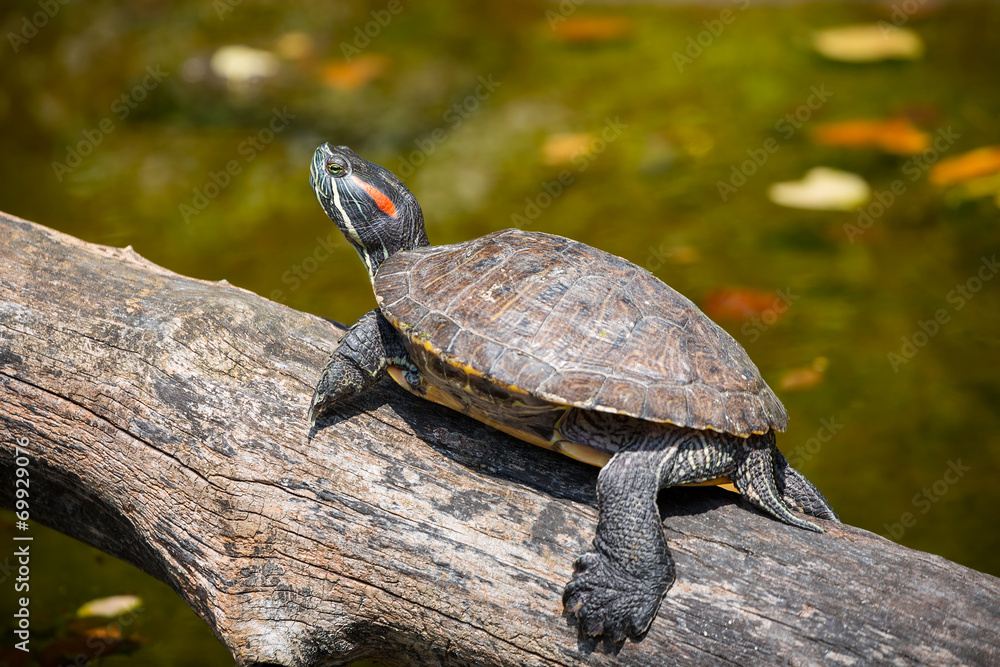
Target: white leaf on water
822, 189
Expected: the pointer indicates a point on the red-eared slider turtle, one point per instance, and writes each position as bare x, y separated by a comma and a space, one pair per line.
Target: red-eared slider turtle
570, 348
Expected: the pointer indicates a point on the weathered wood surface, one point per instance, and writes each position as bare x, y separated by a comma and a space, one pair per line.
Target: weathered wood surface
166, 422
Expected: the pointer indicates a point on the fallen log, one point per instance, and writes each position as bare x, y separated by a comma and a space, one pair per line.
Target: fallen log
165, 422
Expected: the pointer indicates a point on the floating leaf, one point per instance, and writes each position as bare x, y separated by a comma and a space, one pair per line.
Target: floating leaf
807, 377
868, 43
741, 303
294, 46
562, 148
967, 166
684, 254
897, 135
239, 64
659, 156
109, 607
822, 189
90, 643
14, 657
592, 29
348, 76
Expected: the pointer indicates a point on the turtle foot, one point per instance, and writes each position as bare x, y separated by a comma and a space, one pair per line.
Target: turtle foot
610, 601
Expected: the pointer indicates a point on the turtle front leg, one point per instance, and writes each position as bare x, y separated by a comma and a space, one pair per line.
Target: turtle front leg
360, 360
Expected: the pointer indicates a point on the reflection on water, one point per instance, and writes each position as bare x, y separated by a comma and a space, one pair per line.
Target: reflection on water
186, 130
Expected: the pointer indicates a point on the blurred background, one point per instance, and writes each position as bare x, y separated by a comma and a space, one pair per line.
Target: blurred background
822, 179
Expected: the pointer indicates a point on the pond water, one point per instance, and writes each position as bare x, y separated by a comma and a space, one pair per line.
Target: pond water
652, 132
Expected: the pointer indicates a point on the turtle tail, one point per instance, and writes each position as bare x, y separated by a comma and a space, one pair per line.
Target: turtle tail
754, 479
799, 492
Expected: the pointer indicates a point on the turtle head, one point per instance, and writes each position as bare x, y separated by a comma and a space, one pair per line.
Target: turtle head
373, 209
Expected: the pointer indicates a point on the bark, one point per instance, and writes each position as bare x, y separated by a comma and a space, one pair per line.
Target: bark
166, 424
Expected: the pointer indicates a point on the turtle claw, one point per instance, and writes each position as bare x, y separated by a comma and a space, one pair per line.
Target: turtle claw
316, 409
325, 396
607, 600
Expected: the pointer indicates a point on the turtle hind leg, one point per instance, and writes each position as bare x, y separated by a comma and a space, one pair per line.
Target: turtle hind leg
368, 347
754, 479
617, 587
799, 492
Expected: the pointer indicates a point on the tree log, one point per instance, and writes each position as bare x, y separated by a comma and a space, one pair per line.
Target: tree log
165, 421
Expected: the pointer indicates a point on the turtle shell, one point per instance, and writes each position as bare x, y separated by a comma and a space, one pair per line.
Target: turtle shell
575, 326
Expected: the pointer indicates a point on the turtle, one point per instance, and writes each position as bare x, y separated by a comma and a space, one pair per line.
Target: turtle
571, 348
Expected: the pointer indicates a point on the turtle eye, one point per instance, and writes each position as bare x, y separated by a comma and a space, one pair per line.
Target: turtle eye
336, 169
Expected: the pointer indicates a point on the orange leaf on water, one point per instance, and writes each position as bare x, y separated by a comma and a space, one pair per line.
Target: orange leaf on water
967, 166
896, 135
741, 303
348, 76
14, 657
93, 643
592, 29
806, 377
562, 148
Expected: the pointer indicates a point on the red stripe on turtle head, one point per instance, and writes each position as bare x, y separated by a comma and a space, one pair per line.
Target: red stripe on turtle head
384, 203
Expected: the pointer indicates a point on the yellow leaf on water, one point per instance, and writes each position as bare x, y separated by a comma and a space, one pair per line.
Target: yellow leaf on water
239, 64
867, 43
109, 607
294, 46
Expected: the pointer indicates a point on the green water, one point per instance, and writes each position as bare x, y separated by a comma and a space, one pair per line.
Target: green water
915, 443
